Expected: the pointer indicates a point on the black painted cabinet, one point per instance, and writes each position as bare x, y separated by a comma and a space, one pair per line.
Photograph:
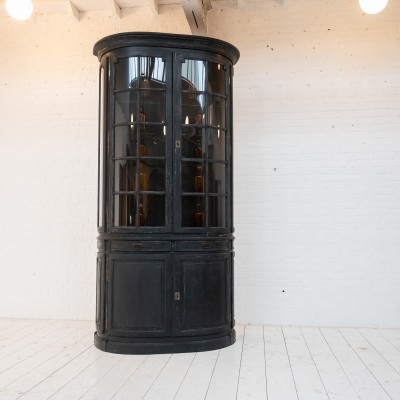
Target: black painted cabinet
165, 222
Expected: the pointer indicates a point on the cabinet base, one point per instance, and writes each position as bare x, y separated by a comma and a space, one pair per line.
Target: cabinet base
163, 346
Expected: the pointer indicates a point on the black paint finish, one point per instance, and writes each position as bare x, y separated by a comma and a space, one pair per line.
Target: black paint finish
165, 245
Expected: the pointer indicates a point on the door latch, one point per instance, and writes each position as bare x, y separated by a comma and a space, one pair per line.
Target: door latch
177, 296
178, 144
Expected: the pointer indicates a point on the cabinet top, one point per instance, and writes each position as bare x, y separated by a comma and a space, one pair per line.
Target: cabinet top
165, 40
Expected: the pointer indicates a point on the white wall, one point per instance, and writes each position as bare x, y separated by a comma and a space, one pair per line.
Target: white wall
317, 161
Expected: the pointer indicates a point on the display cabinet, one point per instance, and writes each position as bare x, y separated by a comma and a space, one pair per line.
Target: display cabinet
165, 215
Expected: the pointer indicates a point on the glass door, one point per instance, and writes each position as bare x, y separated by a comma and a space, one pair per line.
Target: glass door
203, 178
141, 130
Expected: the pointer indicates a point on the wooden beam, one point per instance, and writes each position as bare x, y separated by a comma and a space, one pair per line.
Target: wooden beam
153, 4
115, 8
196, 15
74, 11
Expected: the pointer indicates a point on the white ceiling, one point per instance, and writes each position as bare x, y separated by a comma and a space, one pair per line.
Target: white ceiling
195, 10
49, 6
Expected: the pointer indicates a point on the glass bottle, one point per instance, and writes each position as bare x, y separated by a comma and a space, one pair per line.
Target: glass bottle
142, 146
198, 151
142, 218
142, 179
199, 180
199, 216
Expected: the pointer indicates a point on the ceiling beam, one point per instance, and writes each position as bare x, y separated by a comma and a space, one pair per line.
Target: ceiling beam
153, 4
74, 11
115, 8
196, 15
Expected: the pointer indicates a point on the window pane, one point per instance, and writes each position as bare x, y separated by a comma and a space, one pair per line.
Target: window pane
149, 177
193, 109
193, 177
216, 144
216, 111
155, 213
125, 210
194, 75
126, 73
193, 145
125, 141
216, 178
216, 78
126, 107
149, 211
193, 211
152, 107
125, 176
216, 211
152, 141
154, 171
152, 72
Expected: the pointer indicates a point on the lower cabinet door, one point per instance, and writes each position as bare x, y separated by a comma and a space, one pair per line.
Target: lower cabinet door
202, 285
139, 300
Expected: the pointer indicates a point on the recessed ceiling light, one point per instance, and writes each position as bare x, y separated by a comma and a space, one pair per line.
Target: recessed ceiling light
373, 6
19, 9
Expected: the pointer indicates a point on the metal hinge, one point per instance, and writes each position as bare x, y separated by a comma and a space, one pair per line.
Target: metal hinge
177, 296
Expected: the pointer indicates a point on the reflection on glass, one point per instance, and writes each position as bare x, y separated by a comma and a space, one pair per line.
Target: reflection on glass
150, 176
156, 175
126, 107
193, 211
151, 108
194, 75
125, 72
124, 175
216, 178
216, 211
193, 177
152, 105
216, 147
145, 210
193, 109
125, 210
216, 78
125, 141
193, 145
151, 142
216, 111
152, 70
155, 210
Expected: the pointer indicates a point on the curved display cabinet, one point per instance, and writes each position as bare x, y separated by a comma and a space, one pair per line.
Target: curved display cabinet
165, 218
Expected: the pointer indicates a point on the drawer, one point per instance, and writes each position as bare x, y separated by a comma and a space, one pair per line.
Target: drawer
208, 245
136, 245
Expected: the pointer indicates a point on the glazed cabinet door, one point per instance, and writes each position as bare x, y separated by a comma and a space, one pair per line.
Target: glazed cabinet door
203, 303
139, 301
202, 159
141, 138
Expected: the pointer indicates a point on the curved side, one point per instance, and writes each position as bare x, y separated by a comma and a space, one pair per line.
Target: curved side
154, 346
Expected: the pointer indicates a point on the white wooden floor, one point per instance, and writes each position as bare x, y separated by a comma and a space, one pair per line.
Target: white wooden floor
57, 360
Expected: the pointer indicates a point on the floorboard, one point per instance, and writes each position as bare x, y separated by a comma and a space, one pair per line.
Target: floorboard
57, 360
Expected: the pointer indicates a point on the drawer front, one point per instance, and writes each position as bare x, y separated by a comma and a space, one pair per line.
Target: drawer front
207, 245
135, 245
